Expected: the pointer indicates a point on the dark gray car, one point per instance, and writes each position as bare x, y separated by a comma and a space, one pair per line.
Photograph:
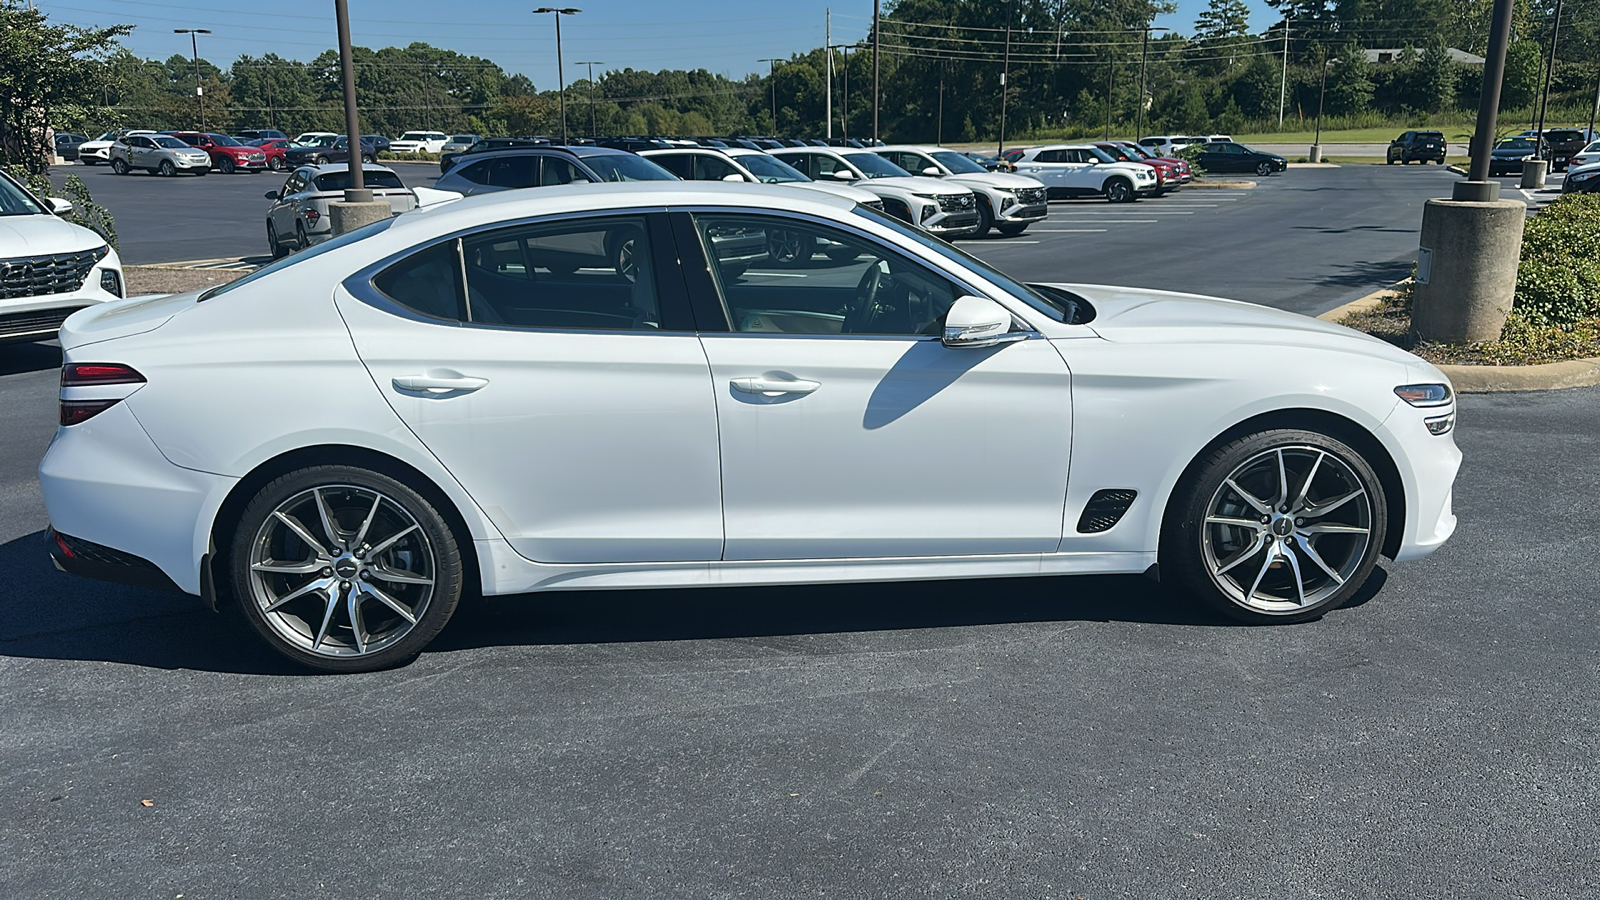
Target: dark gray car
504, 170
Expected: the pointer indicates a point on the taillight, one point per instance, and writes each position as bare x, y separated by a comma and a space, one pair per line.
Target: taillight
99, 375
311, 214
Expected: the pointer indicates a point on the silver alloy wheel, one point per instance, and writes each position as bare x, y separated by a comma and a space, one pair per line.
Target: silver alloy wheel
625, 265
1286, 529
1265, 168
342, 571
787, 247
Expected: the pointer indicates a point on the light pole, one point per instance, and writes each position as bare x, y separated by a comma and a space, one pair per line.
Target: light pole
194, 48
877, 45
1544, 96
1144, 56
1316, 145
772, 82
1005, 71
561, 78
591, 63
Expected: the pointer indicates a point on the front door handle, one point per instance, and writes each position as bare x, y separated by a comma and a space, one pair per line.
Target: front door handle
439, 383
774, 387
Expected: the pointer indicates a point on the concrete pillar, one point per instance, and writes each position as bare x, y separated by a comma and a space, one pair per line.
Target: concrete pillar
1316, 153
1533, 172
1466, 269
346, 216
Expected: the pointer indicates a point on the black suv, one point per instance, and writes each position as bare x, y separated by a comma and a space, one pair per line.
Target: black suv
1423, 145
1564, 143
447, 161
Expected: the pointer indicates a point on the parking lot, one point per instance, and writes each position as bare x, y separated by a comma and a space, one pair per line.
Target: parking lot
1048, 737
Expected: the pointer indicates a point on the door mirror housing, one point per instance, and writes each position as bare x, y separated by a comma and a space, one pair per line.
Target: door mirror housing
61, 207
932, 172
271, 195
842, 175
978, 322
734, 177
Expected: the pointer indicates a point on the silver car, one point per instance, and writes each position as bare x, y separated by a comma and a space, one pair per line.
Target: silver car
459, 142
157, 154
298, 216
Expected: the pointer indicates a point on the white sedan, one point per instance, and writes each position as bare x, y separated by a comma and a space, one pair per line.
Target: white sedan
340, 442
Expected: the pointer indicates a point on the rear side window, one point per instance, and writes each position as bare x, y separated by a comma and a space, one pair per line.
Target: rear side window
506, 172
338, 181
679, 164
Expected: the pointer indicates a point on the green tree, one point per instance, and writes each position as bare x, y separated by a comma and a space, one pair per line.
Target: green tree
1521, 83
44, 68
1349, 81
1437, 77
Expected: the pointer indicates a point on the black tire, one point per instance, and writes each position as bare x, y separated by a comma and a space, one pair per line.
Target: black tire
88, 162
273, 244
1264, 169
119, 167
167, 168
226, 166
301, 239
276, 164
1119, 190
428, 548
1198, 538
202, 172
985, 217
320, 160
790, 248
1390, 159
1012, 229
842, 254
366, 160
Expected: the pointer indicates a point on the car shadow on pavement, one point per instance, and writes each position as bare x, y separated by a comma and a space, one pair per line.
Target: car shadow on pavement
47, 614
1366, 274
18, 358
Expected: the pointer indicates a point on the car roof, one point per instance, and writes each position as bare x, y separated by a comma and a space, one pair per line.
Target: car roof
341, 167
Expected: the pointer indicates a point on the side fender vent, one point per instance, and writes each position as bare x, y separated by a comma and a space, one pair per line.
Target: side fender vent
1105, 509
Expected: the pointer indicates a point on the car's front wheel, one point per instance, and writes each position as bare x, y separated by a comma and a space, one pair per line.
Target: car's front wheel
1277, 526
343, 569
789, 248
273, 244
1264, 169
1119, 190
167, 168
119, 167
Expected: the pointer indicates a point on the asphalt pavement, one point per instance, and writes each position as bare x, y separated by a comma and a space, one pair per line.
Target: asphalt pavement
1037, 738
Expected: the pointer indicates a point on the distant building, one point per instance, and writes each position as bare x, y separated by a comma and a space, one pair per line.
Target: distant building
1391, 55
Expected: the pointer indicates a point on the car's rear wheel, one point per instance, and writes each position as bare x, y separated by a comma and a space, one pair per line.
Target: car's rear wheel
119, 167
1119, 190
273, 244
343, 569
167, 168
1277, 526
301, 239
1264, 169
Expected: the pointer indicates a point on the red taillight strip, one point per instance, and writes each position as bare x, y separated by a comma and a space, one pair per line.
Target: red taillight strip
87, 374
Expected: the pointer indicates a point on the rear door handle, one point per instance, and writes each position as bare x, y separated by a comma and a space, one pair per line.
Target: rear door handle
774, 387
438, 383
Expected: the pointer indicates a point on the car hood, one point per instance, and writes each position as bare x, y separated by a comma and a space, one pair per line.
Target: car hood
1001, 180
41, 234
122, 318
1139, 315
849, 192
916, 184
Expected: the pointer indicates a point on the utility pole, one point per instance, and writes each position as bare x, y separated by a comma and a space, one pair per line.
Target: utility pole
1005, 71
1144, 56
1283, 83
591, 63
772, 67
1111, 68
827, 48
877, 44
561, 75
938, 137
1544, 96
844, 118
194, 47
1596, 108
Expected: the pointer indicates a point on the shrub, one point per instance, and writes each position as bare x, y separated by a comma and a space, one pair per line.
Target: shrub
1558, 277
418, 156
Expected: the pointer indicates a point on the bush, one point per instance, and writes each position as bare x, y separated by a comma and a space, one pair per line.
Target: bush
419, 156
85, 211
1558, 277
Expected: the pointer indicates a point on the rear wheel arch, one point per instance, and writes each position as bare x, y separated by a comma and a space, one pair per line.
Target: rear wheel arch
227, 516
1324, 422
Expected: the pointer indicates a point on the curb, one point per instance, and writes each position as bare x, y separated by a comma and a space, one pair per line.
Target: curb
1312, 165
1556, 376
1234, 185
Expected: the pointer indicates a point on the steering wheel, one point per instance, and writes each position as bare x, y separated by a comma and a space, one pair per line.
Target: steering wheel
860, 315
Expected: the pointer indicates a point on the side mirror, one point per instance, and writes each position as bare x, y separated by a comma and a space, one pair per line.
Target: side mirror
734, 177
978, 322
932, 172
1094, 161
271, 195
61, 207
842, 175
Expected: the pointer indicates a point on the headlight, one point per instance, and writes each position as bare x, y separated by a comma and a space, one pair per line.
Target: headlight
1583, 176
926, 196
1529, 157
1424, 394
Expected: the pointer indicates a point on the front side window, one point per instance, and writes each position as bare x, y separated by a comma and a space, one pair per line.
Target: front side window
804, 163
770, 169
14, 201
791, 276
959, 163
679, 164
553, 171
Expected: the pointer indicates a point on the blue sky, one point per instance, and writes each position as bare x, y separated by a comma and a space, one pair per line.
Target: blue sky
727, 36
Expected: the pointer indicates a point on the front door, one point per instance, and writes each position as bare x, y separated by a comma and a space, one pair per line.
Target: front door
571, 401
848, 429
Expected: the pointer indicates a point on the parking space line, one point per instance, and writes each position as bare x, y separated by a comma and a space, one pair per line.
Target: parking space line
1115, 222
1066, 230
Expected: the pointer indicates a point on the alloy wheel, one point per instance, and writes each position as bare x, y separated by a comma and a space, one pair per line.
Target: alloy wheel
167, 168
1287, 528
1264, 169
341, 571
787, 248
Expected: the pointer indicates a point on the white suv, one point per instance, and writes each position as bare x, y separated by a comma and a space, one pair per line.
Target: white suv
1008, 202
1084, 170
423, 141
98, 151
940, 207
49, 269
750, 166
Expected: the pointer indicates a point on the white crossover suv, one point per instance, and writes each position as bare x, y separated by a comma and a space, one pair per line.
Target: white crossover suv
49, 268
420, 141
1007, 202
1084, 170
92, 153
946, 209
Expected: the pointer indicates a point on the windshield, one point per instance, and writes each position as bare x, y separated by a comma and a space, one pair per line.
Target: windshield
415, 136
312, 252
14, 201
770, 169
958, 162
874, 166
1058, 309
223, 140
1515, 144
627, 167
165, 140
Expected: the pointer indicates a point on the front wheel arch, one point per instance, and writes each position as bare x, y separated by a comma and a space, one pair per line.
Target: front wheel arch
1331, 424
222, 525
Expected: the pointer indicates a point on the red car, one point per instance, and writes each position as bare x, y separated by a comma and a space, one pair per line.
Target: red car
227, 154
1185, 172
276, 149
1168, 176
